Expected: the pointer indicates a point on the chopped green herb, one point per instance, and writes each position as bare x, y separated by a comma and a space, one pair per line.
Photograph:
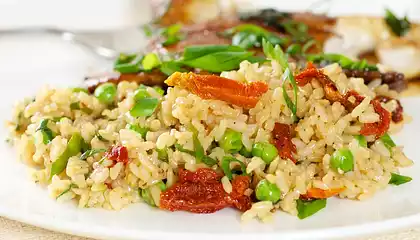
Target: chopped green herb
99, 136
90, 153
125, 58
140, 93
308, 45
397, 179
198, 149
194, 52
181, 149
399, 27
245, 152
172, 34
226, 166
209, 161
47, 134
144, 107
309, 208
72, 185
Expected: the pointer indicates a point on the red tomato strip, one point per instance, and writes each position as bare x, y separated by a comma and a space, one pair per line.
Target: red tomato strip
202, 192
118, 153
282, 139
215, 87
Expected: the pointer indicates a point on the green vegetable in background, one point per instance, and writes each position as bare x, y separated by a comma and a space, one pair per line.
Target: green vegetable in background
231, 141
72, 149
150, 61
266, 151
266, 191
309, 208
106, 93
250, 35
399, 27
397, 179
342, 159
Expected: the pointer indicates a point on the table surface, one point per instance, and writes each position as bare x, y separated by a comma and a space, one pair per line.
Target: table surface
52, 52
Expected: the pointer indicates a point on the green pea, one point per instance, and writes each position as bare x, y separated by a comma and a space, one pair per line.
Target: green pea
106, 93
342, 159
245, 152
266, 151
231, 141
266, 191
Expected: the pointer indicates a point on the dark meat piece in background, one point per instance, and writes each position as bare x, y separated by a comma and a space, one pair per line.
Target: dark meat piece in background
395, 80
152, 78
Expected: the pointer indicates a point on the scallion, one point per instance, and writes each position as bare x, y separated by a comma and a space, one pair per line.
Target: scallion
309, 208
226, 166
397, 179
144, 107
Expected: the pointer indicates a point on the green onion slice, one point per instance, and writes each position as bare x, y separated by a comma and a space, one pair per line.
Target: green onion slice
309, 208
226, 166
397, 179
91, 152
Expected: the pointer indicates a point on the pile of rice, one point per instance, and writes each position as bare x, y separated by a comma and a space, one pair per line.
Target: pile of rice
323, 128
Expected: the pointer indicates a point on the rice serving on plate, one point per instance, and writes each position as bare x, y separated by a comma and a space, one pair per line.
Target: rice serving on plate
128, 159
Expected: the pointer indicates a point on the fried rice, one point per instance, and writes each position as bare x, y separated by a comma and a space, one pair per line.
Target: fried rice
98, 181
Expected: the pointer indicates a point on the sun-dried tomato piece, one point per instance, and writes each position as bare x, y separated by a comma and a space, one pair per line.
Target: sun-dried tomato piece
331, 91
202, 192
317, 193
202, 175
194, 197
118, 153
216, 87
377, 128
282, 139
333, 95
398, 113
357, 100
237, 197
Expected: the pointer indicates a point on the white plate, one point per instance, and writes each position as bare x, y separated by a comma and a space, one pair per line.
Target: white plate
22, 200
